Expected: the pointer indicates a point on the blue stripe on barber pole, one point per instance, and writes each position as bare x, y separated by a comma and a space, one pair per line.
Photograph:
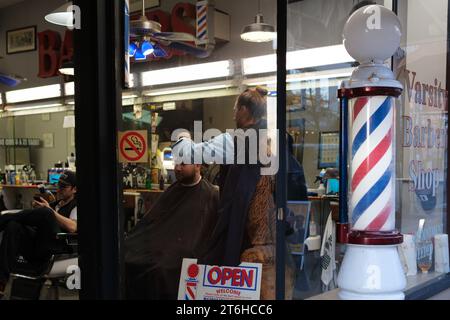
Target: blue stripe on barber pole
202, 20
371, 196
374, 122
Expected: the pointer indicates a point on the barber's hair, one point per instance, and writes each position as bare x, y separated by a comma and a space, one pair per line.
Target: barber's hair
254, 100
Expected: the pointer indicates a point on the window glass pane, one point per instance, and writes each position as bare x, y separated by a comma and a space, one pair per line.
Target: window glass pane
195, 89
422, 116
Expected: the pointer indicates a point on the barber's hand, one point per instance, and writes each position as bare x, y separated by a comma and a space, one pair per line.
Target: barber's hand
41, 204
185, 135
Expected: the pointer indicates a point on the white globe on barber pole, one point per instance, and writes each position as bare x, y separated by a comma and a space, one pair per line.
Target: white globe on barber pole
371, 269
372, 34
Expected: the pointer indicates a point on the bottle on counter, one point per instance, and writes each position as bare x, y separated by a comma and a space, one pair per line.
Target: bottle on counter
312, 228
161, 180
33, 176
321, 190
2, 178
12, 178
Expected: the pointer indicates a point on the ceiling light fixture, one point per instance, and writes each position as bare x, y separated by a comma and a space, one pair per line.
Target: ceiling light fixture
67, 68
140, 51
258, 31
171, 91
300, 59
62, 16
36, 93
195, 72
32, 107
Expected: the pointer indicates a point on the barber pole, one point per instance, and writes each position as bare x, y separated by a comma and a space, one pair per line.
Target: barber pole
372, 164
205, 25
371, 269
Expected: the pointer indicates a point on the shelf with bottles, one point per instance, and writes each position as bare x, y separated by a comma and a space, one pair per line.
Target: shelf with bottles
23, 175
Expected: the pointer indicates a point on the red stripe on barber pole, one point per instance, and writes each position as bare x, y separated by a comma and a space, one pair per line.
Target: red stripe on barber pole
202, 11
371, 161
381, 218
359, 105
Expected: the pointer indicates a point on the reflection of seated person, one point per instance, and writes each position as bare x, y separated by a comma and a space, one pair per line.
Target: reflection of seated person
32, 233
297, 228
177, 227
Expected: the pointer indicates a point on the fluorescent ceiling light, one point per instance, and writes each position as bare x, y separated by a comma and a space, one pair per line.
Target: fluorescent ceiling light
129, 95
219, 69
186, 89
61, 16
44, 106
70, 91
260, 64
298, 59
37, 93
312, 76
307, 76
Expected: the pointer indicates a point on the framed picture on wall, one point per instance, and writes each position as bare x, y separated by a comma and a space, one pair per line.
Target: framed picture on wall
48, 140
328, 149
21, 40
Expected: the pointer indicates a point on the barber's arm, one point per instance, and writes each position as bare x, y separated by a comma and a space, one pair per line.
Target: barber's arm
66, 224
221, 146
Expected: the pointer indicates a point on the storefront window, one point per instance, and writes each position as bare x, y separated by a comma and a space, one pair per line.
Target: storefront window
421, 145
37, 145
181, 88
317, 64
422, 119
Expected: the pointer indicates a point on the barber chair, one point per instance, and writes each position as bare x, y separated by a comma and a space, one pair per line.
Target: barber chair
28, 277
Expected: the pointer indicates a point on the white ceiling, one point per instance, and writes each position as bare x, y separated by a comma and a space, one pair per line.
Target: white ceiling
6, 3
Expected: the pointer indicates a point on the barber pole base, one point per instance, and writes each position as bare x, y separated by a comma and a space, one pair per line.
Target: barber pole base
372, 272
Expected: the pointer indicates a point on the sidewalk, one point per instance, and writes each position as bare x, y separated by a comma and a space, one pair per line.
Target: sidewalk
444, 295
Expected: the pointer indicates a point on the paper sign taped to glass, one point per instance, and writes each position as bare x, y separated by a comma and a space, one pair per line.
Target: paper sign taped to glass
203, 282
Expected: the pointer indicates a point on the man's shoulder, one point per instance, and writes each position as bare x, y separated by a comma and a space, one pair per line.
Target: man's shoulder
213, 189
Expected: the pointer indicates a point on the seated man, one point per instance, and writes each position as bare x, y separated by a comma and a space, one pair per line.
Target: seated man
178, 226
32, 233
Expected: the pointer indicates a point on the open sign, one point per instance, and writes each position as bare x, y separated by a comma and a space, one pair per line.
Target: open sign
219, 282
226, 277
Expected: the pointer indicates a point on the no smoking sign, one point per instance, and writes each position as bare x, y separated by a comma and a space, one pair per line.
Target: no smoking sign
133, 146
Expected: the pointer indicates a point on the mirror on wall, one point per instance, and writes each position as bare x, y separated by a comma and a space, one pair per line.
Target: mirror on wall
37, 141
